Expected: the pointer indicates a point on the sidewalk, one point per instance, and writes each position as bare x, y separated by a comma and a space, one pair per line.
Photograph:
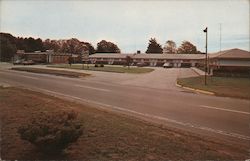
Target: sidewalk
198, 71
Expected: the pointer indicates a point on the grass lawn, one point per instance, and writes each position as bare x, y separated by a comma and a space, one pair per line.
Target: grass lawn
106, 68
50, 71
106, 135
222, 86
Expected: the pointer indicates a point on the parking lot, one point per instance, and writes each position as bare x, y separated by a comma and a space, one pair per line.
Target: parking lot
160, 78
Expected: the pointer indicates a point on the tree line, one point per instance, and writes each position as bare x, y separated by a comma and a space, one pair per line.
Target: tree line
170, 47
9, 45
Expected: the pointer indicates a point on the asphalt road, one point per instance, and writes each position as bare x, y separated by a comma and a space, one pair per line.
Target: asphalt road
219, 117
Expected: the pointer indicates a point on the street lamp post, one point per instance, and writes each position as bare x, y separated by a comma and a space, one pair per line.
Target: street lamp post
206, 58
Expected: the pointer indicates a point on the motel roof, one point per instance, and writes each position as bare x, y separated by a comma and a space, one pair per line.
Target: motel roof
47, 53
226, 54
109, 55
35, 53
148, 56
169, 56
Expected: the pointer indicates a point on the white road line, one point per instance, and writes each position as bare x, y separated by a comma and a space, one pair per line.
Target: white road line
104, 106
223, 109
99, 89
28, 77
19, 74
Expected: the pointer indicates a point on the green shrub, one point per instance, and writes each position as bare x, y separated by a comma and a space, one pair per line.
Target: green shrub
101, 65
96, 65
52, 132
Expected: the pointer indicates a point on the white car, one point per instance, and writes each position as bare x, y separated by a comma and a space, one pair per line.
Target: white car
17, 62
167, 65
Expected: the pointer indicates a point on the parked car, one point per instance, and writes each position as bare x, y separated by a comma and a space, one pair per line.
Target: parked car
140, 64
167, 65
28, 62
17, 62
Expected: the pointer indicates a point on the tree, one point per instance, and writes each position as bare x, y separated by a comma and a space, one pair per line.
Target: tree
73, 46
107, 47
187, 48
70, 60
7, 46
90, 48
154, 47
7, 50
128, 60
30, 44
170, 47
51, 45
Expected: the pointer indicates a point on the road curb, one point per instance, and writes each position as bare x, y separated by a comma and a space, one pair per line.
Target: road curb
194, 89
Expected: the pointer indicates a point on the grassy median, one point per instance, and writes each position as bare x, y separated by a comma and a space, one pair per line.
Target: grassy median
51, 71
222, 86
106, 68
106, 135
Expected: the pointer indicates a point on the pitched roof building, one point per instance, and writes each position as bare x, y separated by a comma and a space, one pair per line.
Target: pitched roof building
230, 58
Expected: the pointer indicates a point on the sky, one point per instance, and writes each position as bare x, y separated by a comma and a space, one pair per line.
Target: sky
131, 23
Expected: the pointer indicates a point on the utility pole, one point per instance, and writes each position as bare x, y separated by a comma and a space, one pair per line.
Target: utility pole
220, 37
206, 58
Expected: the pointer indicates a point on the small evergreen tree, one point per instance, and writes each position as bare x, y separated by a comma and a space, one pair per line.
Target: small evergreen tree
154, 47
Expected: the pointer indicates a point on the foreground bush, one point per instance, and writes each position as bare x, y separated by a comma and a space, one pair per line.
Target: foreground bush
53, 132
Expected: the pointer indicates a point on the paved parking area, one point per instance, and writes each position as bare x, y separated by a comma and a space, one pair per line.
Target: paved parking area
160, 78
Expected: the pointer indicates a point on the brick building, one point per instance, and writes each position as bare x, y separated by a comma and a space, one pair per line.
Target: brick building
48, 56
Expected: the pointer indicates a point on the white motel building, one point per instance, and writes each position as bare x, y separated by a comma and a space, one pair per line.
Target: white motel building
227, 58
